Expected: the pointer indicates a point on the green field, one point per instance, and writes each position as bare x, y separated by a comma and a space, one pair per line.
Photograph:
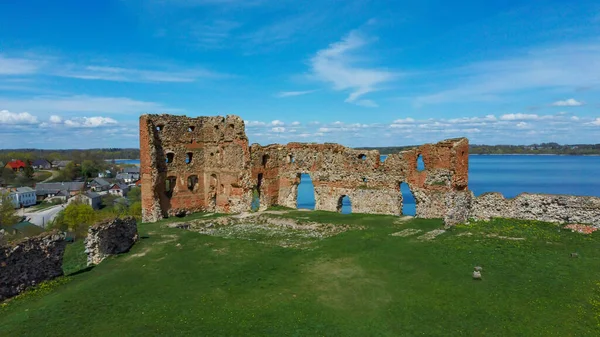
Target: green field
361, 282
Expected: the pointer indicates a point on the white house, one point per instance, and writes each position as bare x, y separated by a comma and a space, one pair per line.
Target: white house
22, 196
119, 190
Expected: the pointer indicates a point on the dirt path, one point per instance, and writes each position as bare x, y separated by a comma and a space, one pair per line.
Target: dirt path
54, 175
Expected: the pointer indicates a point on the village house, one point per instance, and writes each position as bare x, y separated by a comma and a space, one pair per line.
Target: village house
119, 190
50, 190
60, 164
105, 174
128, 178
89, 198
16, 165
41, 164
99, 184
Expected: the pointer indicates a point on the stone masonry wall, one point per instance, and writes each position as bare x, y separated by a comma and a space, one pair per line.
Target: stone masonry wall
224, 170
525, 206
29, 262
110, 237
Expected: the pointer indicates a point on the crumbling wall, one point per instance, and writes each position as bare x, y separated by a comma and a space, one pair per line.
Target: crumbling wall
526, 206
373, 186
30, 261
193, 164
110, 237
227, 171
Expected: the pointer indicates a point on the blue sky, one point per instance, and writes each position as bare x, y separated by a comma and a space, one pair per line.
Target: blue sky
78, 74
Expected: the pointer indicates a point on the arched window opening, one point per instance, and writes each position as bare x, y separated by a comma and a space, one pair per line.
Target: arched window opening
191, 128
188, 159
409, 205
160, 127
170, 183
231, 126
306, 192
170, 157
216, 127
420, 163
365, 179
291, 158
344, 205
192, 182
362, 156
265, 159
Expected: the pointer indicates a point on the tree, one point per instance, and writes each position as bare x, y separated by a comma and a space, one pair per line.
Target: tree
8, 215
89, 168
135, 210
78, 216
28, 171
134, 195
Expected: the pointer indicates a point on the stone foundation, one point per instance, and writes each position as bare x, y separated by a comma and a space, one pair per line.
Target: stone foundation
525, 206
29, 262
110, 237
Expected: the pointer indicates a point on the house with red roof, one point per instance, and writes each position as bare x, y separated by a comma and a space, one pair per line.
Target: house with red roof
15, 165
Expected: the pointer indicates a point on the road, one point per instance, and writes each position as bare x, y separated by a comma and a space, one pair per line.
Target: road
42, 217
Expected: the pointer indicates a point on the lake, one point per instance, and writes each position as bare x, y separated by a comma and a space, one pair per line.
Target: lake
507, 174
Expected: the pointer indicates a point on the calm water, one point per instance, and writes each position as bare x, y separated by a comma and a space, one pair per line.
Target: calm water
507, 174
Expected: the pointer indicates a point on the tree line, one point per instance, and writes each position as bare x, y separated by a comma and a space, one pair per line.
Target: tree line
542, 148
78, 156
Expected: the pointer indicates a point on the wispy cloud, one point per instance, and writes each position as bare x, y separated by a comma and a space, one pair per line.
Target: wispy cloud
565, 66
18, 66
213, 34
568, 102
294, 93
82, 103
27, 68
116, 74
336, 65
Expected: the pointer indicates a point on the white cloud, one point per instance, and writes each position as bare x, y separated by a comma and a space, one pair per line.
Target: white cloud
575, 118
336, 65
89, 122
296, 123
325, 130
254, 123
522, 125
293, 93
13, 118
407, 120
519, 117
277, 123
595, 122
278, 129
568, 102
55, 119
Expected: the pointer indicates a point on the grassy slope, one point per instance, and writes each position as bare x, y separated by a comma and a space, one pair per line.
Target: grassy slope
359, 283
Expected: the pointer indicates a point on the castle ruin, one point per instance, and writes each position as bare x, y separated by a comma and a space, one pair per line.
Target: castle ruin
206, 164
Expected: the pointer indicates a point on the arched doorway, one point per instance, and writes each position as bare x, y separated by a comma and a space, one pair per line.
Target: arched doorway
409, 205
306, 192
344, 205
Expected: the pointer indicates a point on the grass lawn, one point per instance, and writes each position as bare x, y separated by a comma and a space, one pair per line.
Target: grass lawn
361, 282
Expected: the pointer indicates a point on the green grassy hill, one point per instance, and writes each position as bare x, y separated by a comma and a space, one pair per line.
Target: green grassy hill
361, 282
